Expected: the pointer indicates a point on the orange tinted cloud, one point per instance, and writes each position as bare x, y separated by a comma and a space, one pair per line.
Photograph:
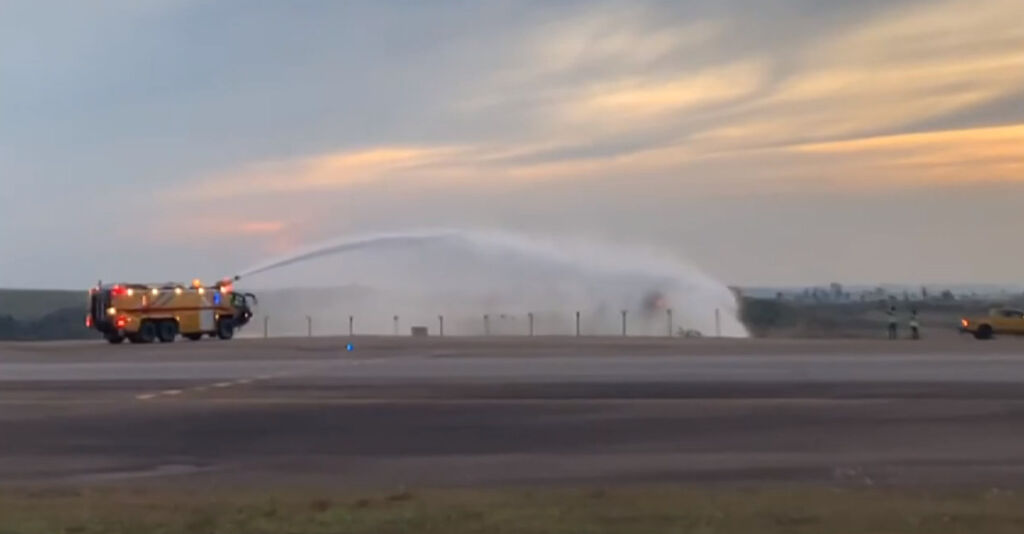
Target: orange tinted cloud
332, 170
908, 64
998, 140
640, 97
187, 227
976, 154
261, 227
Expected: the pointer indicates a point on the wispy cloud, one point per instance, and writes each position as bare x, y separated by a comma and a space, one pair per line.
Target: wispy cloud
638, 97
967, 155
322, 172
905, 66
261, 227
617, 37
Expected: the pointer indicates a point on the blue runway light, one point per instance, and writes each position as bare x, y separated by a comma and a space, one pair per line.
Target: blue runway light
216, 299
350, 347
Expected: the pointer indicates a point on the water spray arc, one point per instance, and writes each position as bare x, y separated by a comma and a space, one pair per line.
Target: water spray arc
385, 241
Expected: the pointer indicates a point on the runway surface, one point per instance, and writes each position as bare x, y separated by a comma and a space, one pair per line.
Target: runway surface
471, 411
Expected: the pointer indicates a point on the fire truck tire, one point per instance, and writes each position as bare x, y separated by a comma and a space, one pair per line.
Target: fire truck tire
147, 333
225, 329
166, 331
193, 337
114, 339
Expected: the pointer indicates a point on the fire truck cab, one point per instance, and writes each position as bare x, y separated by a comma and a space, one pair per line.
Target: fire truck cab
144, 313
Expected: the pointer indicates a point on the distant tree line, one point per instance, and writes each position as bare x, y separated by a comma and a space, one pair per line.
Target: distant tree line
65, 323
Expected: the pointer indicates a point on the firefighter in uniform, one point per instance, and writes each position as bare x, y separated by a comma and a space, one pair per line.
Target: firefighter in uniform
915, 326
893, 324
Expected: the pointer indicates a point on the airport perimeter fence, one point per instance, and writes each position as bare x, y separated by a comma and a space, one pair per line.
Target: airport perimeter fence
579, 327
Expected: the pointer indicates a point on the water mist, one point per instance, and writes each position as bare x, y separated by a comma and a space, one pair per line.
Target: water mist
467, 275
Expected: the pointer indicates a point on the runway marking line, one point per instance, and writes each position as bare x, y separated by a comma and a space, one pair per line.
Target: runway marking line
207, 387
221, 385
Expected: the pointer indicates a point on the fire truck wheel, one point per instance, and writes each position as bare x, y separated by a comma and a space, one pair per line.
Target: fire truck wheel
167, 331
115, 339
225, 329
193, 337
147, 332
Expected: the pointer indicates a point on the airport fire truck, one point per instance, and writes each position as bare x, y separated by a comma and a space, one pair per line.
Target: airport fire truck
144, 313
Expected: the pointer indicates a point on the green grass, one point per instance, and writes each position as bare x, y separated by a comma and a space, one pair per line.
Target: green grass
633, 511
30, 304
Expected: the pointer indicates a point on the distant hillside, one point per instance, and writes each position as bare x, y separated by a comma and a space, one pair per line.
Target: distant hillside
31, 304
64, 323
34, 314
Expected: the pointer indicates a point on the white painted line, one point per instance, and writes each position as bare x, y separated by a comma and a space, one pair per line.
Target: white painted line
171, 392
145, 396
243, 381
222, 385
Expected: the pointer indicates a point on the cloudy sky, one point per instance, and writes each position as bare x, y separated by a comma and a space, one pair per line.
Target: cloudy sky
768, 142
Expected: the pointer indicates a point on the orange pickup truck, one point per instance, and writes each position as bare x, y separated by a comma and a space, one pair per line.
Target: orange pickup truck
998, 321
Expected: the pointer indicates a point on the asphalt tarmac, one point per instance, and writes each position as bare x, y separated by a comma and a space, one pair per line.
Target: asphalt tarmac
513, 411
